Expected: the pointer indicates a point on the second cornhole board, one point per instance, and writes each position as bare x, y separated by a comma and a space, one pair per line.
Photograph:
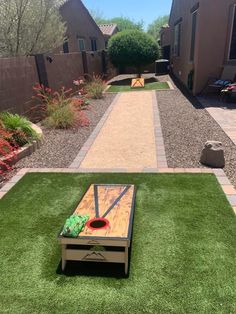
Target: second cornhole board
113, 206
137, 82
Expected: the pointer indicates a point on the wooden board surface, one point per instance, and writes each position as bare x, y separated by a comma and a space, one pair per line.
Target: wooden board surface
119, 217
137, 82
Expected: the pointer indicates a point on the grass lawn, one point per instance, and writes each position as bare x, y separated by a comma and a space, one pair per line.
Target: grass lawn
148, 86
183, 257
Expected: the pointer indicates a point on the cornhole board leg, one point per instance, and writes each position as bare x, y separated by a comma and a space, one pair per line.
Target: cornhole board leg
63, 256
126, 259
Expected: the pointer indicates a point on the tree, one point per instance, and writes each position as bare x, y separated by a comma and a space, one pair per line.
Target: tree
30, 27
123, 23
155, 27
132, 48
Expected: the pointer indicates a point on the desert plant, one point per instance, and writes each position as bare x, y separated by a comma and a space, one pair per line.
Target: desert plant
20, 127
61, 109
95, 88
132, 48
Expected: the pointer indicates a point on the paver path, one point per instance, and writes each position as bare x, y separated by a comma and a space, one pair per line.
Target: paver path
225, 117
127, 139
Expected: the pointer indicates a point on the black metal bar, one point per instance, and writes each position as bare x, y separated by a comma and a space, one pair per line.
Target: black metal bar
116, 201
96, 201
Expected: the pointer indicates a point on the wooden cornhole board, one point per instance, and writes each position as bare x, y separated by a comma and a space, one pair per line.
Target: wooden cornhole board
137, 82
114, 204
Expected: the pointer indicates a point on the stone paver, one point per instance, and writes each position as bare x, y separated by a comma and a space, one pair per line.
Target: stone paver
129, 138
224, 114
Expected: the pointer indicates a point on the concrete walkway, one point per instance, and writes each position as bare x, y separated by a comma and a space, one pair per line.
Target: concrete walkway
128, 138
223, 113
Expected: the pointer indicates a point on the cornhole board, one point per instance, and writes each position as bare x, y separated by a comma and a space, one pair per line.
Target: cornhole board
137, 82
107, 235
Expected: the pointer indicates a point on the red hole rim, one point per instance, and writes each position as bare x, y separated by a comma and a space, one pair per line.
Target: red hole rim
89, 222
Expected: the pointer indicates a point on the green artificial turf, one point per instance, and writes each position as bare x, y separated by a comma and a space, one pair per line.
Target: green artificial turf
148, 86
183, 256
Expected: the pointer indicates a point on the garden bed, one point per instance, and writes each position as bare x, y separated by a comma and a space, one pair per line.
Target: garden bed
186, 127
182, 256
60, 147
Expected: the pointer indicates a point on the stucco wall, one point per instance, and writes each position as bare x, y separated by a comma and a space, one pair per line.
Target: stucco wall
18, 75
212, 39
165, 35
64, 69
80, 24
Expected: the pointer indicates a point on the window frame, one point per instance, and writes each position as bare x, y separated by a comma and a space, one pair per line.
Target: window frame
231, 34
81, 39
193, 36
65, 47
93, 41
178, 45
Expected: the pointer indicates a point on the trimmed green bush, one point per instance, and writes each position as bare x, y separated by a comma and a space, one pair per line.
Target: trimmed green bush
132, 48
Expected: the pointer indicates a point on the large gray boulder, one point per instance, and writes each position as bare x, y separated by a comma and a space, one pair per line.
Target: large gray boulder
213, 154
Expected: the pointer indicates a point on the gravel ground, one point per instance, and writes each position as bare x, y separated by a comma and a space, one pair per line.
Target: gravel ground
186, 126
60, 147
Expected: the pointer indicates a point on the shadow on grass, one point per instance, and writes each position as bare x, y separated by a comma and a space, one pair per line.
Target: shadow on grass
93, 269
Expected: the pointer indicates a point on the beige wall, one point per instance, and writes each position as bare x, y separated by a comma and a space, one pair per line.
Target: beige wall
80, 24
212, 39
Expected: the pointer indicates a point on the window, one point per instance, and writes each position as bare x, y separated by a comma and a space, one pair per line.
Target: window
177, 39
93, 44
81, 44
232, 51
66, 47
193, 38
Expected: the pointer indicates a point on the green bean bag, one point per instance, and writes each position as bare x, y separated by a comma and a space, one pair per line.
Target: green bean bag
74, 225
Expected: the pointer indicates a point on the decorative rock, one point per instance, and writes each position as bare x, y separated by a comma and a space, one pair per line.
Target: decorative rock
213, 154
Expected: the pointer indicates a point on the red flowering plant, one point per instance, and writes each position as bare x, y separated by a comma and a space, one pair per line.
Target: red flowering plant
7, 149
60, 108
80, 83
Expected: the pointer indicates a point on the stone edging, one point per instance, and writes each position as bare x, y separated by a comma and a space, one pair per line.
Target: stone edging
160, 147
170, 85
84, 150
27, 149
221, 177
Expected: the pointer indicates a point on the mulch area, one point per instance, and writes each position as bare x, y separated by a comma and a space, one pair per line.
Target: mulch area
186, 126
60, 147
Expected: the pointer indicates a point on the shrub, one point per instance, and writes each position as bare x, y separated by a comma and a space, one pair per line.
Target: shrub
61, 110
132, 48
6, 149
95, 88
61, 117
20, 128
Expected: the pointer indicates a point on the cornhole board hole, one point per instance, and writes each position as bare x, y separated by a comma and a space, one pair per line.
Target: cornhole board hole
107, 235
137, 82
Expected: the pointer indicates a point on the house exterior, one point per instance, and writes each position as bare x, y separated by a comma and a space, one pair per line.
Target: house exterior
203, 40
108, 31
165, 41
83, 33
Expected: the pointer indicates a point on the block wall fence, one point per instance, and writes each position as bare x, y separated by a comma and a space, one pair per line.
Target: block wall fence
18, 75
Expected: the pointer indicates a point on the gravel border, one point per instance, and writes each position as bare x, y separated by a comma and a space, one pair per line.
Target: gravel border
186, 126
60, 147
